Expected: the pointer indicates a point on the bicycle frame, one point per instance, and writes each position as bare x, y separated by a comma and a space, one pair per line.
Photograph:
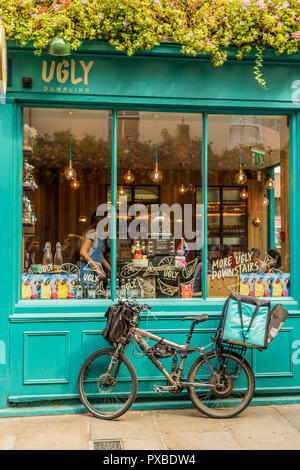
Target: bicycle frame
138, 335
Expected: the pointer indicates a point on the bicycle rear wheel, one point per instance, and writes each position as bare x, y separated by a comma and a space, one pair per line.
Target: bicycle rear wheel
229, 391
107, 396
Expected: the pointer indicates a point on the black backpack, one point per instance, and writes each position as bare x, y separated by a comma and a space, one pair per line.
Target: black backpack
118, 322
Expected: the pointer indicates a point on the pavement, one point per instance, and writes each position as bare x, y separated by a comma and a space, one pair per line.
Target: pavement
258, 427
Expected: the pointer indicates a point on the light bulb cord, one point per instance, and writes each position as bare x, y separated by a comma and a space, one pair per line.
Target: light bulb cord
156, 119
70, 140
240, 146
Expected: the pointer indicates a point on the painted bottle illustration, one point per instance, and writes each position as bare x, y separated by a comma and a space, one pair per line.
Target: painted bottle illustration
277, 288
46, 289
251, 291
62, 289
36, 290
72, 294
54, 285
26, 290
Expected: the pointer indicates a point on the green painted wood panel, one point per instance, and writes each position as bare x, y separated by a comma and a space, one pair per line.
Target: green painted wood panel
55, 372
153, 80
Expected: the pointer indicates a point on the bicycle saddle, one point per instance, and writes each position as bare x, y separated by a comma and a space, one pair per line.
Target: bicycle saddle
197, 319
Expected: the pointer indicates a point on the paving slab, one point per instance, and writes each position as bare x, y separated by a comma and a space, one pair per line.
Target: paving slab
9, 428
133, 426
187, 421
263, 428
48, 434
291, 413
190, 440
262, 418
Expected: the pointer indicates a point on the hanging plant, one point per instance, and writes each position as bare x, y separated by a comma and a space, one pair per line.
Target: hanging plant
258, 67
199, 26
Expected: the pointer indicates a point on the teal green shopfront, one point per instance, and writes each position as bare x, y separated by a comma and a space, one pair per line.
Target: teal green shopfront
112, 118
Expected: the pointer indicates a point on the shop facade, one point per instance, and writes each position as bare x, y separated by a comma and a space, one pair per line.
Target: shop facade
112, 119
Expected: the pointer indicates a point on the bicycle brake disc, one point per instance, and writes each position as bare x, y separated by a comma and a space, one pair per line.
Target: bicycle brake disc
104, 387
223, 385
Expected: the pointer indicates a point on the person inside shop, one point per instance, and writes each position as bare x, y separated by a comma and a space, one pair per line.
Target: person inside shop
227, 252
255, 258
276, 259
71, 248
264, 266
31, 247
92, 249
197, 278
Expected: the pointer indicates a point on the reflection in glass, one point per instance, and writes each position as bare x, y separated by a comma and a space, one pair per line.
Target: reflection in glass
159, 260
247, 252
63, 257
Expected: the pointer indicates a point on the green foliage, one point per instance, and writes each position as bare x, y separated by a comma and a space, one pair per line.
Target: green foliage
199, 26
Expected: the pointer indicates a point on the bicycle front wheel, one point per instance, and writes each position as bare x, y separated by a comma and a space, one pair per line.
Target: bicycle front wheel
107, 395
230, 384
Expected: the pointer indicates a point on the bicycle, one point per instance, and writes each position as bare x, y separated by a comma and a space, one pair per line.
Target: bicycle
220, 382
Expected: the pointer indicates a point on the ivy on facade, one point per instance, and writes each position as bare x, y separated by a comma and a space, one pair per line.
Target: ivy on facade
200, 27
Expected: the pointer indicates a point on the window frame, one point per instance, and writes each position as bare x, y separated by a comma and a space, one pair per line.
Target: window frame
51, 306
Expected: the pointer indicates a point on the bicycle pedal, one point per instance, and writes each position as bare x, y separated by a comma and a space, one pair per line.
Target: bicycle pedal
157, 389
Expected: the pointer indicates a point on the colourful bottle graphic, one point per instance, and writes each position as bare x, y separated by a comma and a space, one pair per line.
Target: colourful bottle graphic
46, 289
62, 289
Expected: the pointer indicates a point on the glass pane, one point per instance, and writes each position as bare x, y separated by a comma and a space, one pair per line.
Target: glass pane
248, 221
160, 232
67, 166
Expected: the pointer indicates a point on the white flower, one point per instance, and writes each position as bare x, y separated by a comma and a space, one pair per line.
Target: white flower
33, 133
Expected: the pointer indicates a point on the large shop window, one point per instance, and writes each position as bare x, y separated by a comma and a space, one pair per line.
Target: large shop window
66, 175
69, 197
159, 245
248, 215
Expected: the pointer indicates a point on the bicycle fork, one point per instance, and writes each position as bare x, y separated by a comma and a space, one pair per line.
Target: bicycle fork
114, 359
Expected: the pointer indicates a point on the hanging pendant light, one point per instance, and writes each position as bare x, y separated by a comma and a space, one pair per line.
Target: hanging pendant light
240, 177
270, 182
156, 175
122, 191
182, 189
70, 172
191, 188
75, 183
82, 219
266, 201
129, 177
244, 193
